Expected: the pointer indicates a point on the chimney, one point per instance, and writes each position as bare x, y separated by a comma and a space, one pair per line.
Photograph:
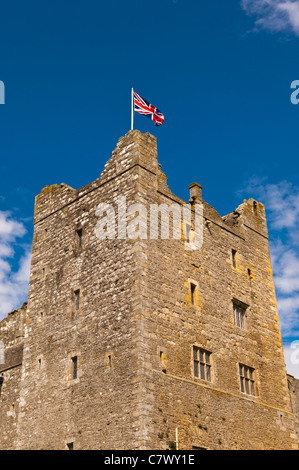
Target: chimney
195, 193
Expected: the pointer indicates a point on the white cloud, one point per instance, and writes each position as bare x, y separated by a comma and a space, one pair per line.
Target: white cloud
282, 202
13, 284
291, 356
274, 15
287, 271
22, 275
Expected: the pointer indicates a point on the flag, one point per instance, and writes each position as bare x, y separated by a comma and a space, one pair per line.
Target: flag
142, 106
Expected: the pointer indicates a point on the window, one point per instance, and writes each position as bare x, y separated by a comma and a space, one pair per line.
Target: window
202, 364
247, 380
77, 299
162, 360
2, 353
1, 383
188, 230
240, 315
193, 289
70, 446
234, 254
79, 237
75, 367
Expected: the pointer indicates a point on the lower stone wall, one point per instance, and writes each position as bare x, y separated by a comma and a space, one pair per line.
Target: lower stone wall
11, 336
294, 394
199, 416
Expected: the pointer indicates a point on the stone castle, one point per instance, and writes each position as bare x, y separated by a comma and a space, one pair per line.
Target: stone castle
140, 343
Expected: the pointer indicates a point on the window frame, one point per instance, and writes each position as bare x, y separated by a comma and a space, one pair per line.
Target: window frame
247, 377
202, 364
240, 314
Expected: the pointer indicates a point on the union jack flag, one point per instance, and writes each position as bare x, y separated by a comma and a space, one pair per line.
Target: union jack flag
142, 106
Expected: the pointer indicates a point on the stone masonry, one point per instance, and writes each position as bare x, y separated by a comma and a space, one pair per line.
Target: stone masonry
137, 342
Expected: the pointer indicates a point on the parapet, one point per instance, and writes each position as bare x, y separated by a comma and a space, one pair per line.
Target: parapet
137, 149
250, 214
51, 199
133, 149
12, 326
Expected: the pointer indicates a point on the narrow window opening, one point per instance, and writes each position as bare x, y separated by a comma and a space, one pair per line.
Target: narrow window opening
1, 383
75, 367
188, 230
39, 363
77, 299
193, 289
255, 207
79, 237
2, 353
70, 446
110, 361
234, 253
162, 359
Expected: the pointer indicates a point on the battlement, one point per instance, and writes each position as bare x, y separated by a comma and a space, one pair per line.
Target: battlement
137, 150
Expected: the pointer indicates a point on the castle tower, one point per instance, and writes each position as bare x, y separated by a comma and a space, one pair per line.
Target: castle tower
138, 341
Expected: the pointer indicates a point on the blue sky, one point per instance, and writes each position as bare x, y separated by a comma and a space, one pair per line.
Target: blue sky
219, 71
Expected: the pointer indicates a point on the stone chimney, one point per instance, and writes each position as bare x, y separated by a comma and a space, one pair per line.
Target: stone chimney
195, 193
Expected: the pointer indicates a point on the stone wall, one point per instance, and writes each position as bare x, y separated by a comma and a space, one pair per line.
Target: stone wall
294, 394
99, 408
12, 337
102, 355
213, 414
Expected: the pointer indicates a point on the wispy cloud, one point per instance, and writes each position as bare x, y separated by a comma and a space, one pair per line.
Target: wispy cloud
291, 354
274, 15
282, 207
282, 201
13, 284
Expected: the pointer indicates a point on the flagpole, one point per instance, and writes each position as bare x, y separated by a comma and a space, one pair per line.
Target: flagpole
132, 109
